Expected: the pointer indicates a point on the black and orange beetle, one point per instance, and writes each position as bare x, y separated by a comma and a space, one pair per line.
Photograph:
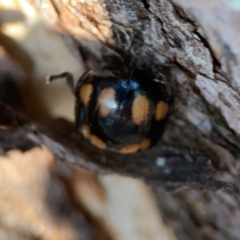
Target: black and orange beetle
120, 114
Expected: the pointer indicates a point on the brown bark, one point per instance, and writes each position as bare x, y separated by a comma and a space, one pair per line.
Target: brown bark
196, 47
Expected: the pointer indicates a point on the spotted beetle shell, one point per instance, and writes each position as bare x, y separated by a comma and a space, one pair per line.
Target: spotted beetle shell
123, 115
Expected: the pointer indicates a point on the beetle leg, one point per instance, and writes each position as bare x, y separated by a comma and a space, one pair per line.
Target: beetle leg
68, 76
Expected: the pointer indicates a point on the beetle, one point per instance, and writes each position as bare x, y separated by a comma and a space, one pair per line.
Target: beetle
122, 114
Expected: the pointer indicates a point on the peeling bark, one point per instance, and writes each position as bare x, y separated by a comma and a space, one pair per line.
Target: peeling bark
196, 48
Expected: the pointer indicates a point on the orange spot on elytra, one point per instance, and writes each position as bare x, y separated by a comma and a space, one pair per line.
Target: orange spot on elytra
145, 144
130, 148
97, 142
106, 101
85, 93
92, 138
85, 131
161, 110
140, 109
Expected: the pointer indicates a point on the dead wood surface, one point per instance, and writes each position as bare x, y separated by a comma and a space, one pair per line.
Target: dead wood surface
196, 47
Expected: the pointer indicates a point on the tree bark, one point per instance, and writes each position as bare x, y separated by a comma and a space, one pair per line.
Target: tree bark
196, 47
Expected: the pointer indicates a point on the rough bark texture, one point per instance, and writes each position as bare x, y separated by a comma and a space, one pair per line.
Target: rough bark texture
160, 36
197, 49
